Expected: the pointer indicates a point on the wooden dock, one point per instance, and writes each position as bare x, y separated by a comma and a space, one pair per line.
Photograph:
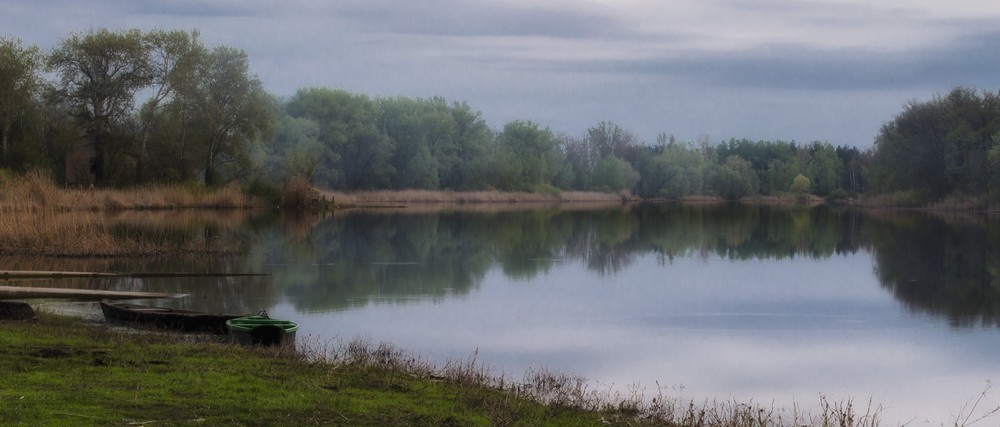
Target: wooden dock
14, 275
20, 292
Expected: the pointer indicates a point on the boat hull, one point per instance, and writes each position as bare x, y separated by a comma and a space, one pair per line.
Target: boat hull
166, 318
262, 331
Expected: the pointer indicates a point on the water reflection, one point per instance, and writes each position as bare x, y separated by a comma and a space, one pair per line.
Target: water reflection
945, 266
756, 302
941, 265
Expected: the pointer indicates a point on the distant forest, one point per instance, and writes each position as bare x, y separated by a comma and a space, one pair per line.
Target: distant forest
121, 108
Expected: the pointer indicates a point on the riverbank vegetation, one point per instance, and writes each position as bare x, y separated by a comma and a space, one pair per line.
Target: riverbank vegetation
58, 370
44, 219
128, 108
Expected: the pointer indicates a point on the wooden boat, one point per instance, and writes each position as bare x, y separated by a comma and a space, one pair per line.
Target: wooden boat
166, 318
262, 330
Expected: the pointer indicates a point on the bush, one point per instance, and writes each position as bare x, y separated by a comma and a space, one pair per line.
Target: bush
265, 191
800, 185
6, 175
907, 199
547, 189
838, 194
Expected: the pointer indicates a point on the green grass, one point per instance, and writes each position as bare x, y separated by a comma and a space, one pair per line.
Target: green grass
61, 371
58, 372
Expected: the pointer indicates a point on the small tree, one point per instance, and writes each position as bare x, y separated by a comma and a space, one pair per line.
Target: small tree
800, 185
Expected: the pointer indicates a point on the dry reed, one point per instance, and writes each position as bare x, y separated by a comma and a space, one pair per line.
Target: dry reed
404, 197
36, 191
38, 217
560, 390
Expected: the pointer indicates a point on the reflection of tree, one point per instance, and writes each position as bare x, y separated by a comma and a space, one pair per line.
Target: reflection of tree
734, 231
233, 231
353, 258
942, 266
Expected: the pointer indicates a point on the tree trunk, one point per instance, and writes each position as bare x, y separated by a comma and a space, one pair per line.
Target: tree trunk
97, 166
3, 144
210, 167
140, 161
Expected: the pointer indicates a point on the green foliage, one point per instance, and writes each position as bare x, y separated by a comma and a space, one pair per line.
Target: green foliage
235, 112
6, 175
205, 116
19, 86
99, 75
360, 152
266, 191
526, 155
838, 194
800, 185
613, 174
734, 178
938, 147
678, 170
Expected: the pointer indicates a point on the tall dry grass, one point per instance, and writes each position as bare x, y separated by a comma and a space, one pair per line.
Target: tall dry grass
635, 406
38, 217
36, 191
406, 197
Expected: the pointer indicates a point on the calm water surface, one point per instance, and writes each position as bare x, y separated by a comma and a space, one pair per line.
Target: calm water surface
723, 302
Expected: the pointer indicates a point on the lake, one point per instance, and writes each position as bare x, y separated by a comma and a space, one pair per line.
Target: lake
723, 302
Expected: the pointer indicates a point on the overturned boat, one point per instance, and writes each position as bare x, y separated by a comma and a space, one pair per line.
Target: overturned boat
166, 318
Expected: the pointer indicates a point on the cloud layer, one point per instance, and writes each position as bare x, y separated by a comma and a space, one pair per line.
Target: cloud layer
769, 69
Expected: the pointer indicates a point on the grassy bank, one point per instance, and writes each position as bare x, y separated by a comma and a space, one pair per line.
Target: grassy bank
58, 371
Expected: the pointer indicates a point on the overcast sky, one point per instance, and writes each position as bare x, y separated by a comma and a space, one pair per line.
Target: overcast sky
763, 69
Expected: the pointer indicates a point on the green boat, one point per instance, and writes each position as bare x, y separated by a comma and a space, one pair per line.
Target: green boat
262, 330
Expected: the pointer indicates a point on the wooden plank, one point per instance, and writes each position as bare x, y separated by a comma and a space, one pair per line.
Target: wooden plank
13, 274
50, 274
18, 292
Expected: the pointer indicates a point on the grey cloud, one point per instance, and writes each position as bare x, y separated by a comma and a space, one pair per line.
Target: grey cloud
972, 60
194, 8
461, 18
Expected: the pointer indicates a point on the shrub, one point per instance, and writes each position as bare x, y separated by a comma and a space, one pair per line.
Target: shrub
907, 199
800, 185
838, 194
265, 191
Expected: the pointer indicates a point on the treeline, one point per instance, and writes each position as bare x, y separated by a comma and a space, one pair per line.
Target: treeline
201, 118
131, 107
948, 146
351, 141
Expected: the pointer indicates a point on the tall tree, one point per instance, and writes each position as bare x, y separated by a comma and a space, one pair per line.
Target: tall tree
349, 129
938, 147
472, 139
174, 57
99, 75
528, 155
19, 83
236, 112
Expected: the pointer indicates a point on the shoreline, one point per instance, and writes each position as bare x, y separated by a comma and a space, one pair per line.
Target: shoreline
174, 378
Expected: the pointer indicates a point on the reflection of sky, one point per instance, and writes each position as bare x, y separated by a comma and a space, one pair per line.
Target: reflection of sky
785, 331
